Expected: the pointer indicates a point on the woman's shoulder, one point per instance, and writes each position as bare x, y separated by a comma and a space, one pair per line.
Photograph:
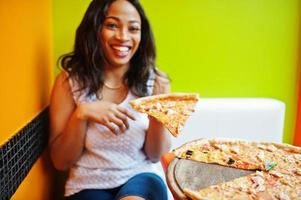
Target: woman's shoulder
161, 75
61, 91
68, 81
62, 79
161, 83
68, 85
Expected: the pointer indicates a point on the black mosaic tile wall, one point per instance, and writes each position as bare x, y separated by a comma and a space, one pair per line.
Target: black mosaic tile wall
18, 155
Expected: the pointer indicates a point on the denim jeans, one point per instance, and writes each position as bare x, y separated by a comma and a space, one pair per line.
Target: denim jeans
146, 185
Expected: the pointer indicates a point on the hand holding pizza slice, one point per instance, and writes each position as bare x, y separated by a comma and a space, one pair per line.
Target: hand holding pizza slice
172, 110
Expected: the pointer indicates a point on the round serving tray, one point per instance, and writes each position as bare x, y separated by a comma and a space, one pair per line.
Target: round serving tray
183, 173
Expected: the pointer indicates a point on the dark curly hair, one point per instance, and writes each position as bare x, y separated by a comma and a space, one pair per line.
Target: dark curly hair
86, 61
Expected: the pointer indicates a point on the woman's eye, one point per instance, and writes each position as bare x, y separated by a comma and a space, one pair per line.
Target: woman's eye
134, 29
111, 26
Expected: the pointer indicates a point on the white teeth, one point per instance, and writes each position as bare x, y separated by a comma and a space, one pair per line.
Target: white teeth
121, 48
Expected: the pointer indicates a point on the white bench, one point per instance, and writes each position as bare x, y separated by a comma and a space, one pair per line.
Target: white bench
254, 119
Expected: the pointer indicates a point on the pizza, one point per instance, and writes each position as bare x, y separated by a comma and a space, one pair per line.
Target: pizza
277, 169
172, 110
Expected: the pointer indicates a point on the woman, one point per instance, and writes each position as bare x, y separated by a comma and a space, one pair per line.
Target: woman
107, 147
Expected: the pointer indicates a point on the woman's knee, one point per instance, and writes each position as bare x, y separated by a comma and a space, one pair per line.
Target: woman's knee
148, 178
132, 198
145, 186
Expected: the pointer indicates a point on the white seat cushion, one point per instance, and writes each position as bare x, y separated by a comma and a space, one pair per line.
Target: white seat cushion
254, 119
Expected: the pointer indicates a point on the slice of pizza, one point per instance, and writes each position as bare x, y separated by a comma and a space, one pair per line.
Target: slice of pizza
224, 152
172, 110
253, 186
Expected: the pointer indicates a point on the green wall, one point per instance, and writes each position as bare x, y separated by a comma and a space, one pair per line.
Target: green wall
218, 48
67, 15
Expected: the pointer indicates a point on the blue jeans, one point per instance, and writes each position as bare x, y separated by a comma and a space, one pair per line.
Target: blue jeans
146, 185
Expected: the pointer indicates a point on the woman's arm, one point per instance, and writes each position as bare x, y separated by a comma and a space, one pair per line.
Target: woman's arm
68, 122
67, 129
158, 139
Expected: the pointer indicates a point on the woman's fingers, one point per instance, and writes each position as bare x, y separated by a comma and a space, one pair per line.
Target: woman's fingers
115, 118
109, 125
122, 117
126, 112
120, 123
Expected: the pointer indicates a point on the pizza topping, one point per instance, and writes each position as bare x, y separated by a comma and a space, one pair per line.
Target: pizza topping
259, 173
269, 165
230, 161
289, 158
276, 174
297, 171
170, 112
260, 188
179, 128
284, 172
243, 188
261, 146
228, 194
235, 149
297, 156
260, 155
242, 165
286, 182
213, 156
145, 108
257, 179
171, 104
271, 148
258, 183
187, 112
188, 153
157, 106
222, 147
282, 196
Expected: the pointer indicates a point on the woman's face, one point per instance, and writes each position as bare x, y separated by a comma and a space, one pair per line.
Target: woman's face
121, 33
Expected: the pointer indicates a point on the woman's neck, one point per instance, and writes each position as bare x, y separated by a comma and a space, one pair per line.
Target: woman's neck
114, 75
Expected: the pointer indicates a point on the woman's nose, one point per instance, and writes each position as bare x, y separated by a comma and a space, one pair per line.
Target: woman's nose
122, 34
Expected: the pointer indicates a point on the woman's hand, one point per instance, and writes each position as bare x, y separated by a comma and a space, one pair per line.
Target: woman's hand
111, 115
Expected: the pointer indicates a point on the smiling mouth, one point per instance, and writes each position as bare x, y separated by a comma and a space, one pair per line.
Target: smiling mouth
121, 48
121, 51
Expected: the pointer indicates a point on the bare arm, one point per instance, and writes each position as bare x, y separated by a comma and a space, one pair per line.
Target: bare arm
158, 139
68, 123
67, 129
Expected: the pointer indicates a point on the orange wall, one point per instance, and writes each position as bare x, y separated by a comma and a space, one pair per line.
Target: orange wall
25, 79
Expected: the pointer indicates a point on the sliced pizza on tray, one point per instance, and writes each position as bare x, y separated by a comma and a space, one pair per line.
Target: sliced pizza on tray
276, 169
172, 110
